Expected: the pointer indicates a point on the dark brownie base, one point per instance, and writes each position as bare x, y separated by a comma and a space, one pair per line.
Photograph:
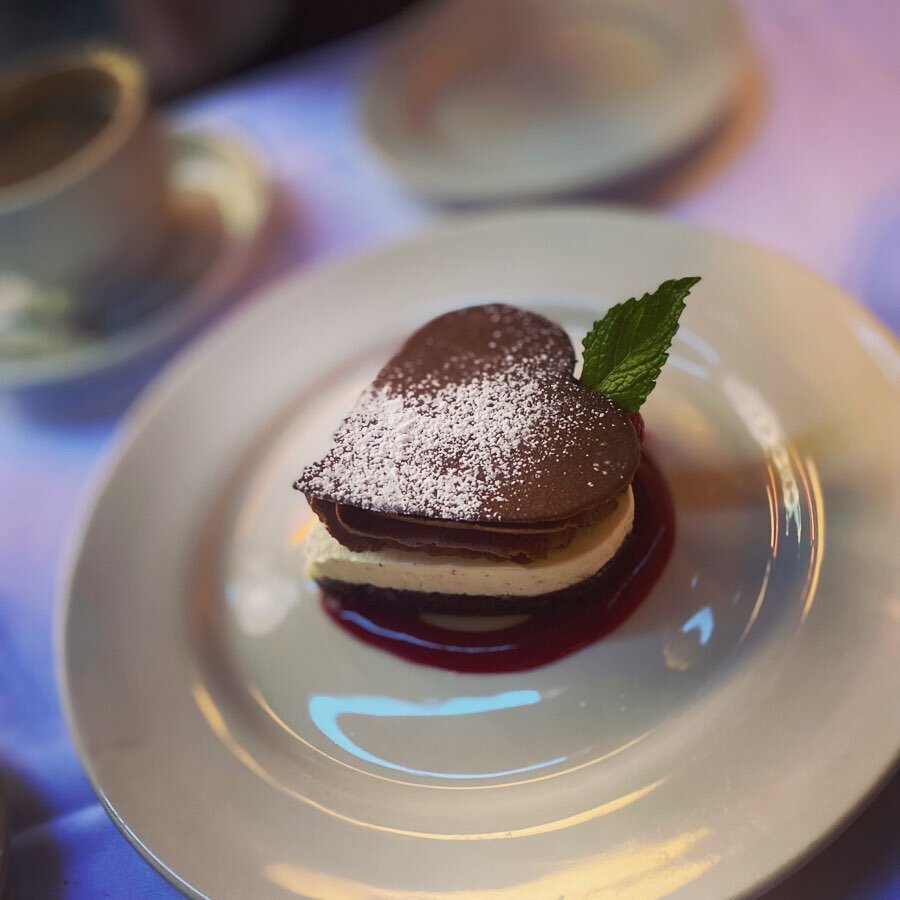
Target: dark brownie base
596, 588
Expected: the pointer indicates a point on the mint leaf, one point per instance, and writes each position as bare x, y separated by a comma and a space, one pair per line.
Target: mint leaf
625, 351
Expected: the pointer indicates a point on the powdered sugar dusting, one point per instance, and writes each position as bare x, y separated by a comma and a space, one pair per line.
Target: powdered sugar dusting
478, 418
454, 451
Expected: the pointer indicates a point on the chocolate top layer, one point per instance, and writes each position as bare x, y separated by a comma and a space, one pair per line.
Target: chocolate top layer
478, 420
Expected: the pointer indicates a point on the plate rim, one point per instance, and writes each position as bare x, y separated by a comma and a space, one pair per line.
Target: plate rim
132, 425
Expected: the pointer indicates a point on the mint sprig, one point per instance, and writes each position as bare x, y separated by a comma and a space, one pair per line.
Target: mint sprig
625, 351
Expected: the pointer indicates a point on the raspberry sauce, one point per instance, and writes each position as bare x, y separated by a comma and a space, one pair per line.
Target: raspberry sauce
543, 637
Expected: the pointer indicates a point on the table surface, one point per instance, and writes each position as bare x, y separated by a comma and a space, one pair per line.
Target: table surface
808, 165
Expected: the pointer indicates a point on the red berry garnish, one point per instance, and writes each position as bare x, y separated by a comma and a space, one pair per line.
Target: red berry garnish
638, 421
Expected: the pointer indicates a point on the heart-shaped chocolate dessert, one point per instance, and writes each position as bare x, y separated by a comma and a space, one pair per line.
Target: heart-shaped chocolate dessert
475, 439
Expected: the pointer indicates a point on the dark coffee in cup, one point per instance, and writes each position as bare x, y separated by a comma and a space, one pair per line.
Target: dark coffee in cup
44, 123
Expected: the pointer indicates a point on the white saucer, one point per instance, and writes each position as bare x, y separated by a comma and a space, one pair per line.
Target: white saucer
222, 202
523, 98
250, 748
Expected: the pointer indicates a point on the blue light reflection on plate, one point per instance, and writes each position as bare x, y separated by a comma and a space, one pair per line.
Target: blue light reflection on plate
325, 712
703, 622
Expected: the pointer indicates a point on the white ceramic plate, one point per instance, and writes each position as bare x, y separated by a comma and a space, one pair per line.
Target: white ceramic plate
222, 201
521, 98
248, 748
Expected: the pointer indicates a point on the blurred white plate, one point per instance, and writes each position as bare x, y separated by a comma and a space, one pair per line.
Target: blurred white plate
249, 748
518, 98
222, 201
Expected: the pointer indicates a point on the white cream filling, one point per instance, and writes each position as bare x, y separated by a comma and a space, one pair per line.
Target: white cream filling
410, 570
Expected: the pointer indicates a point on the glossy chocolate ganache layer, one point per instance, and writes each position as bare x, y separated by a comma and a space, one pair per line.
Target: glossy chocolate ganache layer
475, 439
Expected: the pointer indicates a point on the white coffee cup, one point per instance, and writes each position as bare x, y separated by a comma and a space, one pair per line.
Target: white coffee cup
84, 197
